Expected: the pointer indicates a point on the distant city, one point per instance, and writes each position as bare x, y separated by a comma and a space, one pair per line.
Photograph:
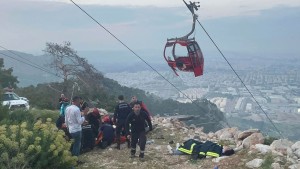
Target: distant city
278, 92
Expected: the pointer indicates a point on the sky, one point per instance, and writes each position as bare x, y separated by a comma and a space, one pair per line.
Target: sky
243, 27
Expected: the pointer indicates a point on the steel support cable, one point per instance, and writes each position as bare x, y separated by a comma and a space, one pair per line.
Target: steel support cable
241, 80
28, 61
29, 64
134, 53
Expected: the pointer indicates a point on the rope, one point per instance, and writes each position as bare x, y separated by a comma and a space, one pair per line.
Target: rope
135, 53
32, 65
240, 79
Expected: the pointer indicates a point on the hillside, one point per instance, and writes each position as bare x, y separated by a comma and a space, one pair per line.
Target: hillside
251, 151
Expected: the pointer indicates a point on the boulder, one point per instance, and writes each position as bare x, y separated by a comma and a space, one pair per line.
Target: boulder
236, 135
294, 166
256, 163
167, 125
296, 146
164, 121
292, 160
289, 152
247, 133
211, 135
263, 148
219, 132
226, 135
281, 145
275, 166
297, 153
255, 138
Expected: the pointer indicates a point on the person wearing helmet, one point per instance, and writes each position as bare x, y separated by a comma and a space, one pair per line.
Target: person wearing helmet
108, 132
94, 119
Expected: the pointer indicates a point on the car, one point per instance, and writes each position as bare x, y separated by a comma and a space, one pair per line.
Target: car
13, 101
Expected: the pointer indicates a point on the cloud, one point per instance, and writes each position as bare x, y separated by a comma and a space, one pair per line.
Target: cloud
209, 8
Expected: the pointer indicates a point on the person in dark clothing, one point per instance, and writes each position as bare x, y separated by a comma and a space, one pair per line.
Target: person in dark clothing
60, 124
200, 150
107, 131
137, 120
94, 120
122, 110
188, 146
60, 100
211, 149
83, 104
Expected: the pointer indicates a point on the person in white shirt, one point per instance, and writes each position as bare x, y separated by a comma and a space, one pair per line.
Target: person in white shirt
74, 120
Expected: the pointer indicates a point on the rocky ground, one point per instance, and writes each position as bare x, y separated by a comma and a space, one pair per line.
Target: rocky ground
253, 153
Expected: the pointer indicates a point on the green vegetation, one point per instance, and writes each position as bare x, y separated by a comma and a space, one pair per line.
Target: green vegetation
269, 140
7, 79
30, 139
268, 160
42, 146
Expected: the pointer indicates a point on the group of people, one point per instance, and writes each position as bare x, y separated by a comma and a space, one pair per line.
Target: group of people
87, 129
130, 123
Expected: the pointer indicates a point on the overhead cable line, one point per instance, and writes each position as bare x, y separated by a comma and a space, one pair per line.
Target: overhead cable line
241, 80
14, 53
30, 64
135, 54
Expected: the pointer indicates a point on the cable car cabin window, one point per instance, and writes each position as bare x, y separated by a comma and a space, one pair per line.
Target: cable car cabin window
169, 54
192, 47
179, 51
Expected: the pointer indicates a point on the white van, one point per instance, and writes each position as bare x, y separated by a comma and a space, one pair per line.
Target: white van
13, 101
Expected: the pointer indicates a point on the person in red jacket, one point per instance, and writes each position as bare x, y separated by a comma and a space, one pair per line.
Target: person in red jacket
143, 106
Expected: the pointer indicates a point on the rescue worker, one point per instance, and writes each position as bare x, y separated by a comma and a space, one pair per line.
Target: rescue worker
188, 146
122, 110
136, 120
94, 120
200, 150
143, 107
211, 149
107, 131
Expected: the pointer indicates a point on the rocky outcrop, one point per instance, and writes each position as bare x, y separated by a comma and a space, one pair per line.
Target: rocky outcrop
256, 163
281, 146
247, 133
171, 131
253, 139
263, 148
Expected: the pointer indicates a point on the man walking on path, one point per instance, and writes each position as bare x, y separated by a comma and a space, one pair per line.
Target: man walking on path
137, 120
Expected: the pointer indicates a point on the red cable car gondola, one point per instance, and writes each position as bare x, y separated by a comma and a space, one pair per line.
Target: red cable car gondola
193, 61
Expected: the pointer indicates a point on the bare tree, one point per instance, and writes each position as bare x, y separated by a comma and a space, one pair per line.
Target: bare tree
68, 64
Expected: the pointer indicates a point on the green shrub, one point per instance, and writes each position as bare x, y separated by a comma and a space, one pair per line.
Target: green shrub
42, 146
4, 112
44, 114
269, 140
18, 116
267, 164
